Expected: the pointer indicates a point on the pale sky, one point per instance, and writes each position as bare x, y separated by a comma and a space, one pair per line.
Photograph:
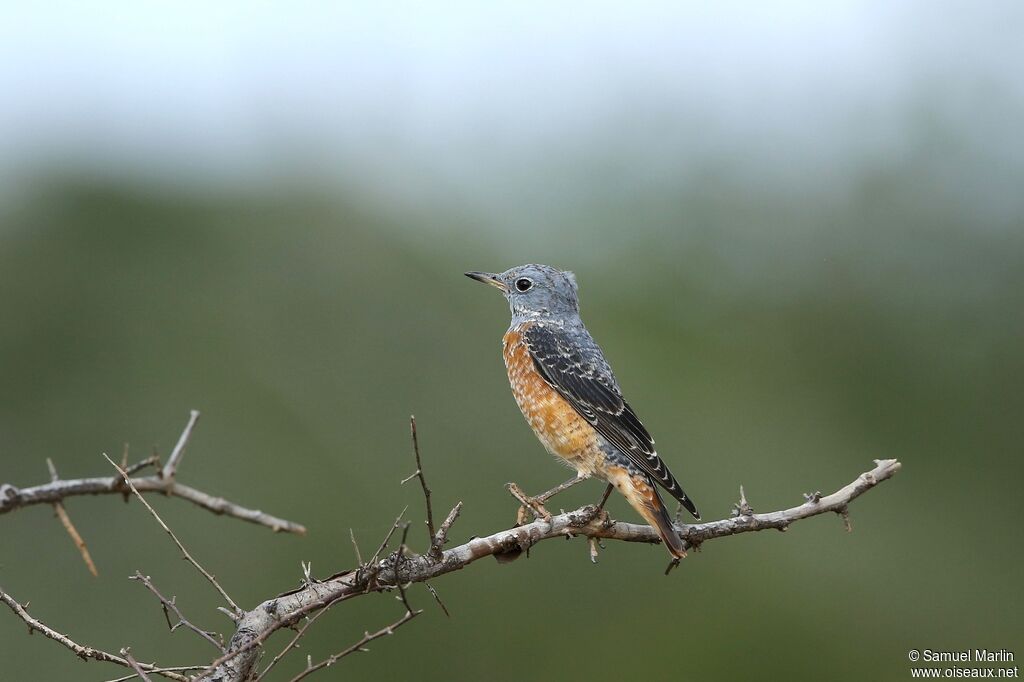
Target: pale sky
413, 99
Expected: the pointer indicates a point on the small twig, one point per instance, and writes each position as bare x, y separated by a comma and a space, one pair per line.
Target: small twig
188, 557
171, 467
437, 598
139, 466
171, 605
158, 671
423, 481
358, 646
355, 546
83, 652
366, 639
307, 573
742, 508
294, 643
65, 521
127, 653
437, 544
403, 548
75, 537
387, 538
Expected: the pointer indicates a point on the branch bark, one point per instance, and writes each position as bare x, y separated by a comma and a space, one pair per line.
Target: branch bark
399, 568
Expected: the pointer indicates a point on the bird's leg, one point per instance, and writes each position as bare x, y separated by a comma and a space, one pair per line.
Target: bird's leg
536, 504
604, 498
544, 497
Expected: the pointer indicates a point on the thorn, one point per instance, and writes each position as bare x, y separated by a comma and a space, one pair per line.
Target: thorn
359, 555
227, 612
307, 569
742, 508
437, 598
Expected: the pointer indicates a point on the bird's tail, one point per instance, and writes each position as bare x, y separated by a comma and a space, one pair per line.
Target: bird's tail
643, 496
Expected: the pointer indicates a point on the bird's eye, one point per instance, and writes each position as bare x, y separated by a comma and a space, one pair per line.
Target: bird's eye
524, 284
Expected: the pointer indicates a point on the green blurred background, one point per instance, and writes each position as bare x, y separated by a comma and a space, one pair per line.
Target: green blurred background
798, 236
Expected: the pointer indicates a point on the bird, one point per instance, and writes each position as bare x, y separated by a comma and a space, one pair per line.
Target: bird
570, 398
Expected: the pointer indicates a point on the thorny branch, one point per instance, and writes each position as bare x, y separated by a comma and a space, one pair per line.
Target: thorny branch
396, 570
423, 481
188, 557
57, 490
438, 538
368, 637
361, 644
84, 652
171, 606
12, 497
127, 653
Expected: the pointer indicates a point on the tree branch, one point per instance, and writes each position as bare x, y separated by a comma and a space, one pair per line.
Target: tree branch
169, 606
188, 557
423, 483
56, 491
398, 569
385, 571
127, 653
84, 652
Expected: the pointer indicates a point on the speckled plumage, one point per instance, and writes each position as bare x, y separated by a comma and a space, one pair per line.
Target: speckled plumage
571, 399
558, 426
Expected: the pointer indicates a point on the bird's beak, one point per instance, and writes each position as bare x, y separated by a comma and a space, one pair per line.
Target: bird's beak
488, 278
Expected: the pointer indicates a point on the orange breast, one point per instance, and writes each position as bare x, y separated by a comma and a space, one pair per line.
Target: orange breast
558, 426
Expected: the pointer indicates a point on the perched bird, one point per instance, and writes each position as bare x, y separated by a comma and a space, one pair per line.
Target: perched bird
570, 398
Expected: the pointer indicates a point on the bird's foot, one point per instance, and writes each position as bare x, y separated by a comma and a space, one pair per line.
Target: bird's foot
534, 504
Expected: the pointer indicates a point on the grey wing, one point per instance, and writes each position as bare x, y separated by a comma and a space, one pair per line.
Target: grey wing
573, 364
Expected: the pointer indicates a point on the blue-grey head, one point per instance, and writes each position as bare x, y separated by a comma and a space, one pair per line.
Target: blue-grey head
535, 291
